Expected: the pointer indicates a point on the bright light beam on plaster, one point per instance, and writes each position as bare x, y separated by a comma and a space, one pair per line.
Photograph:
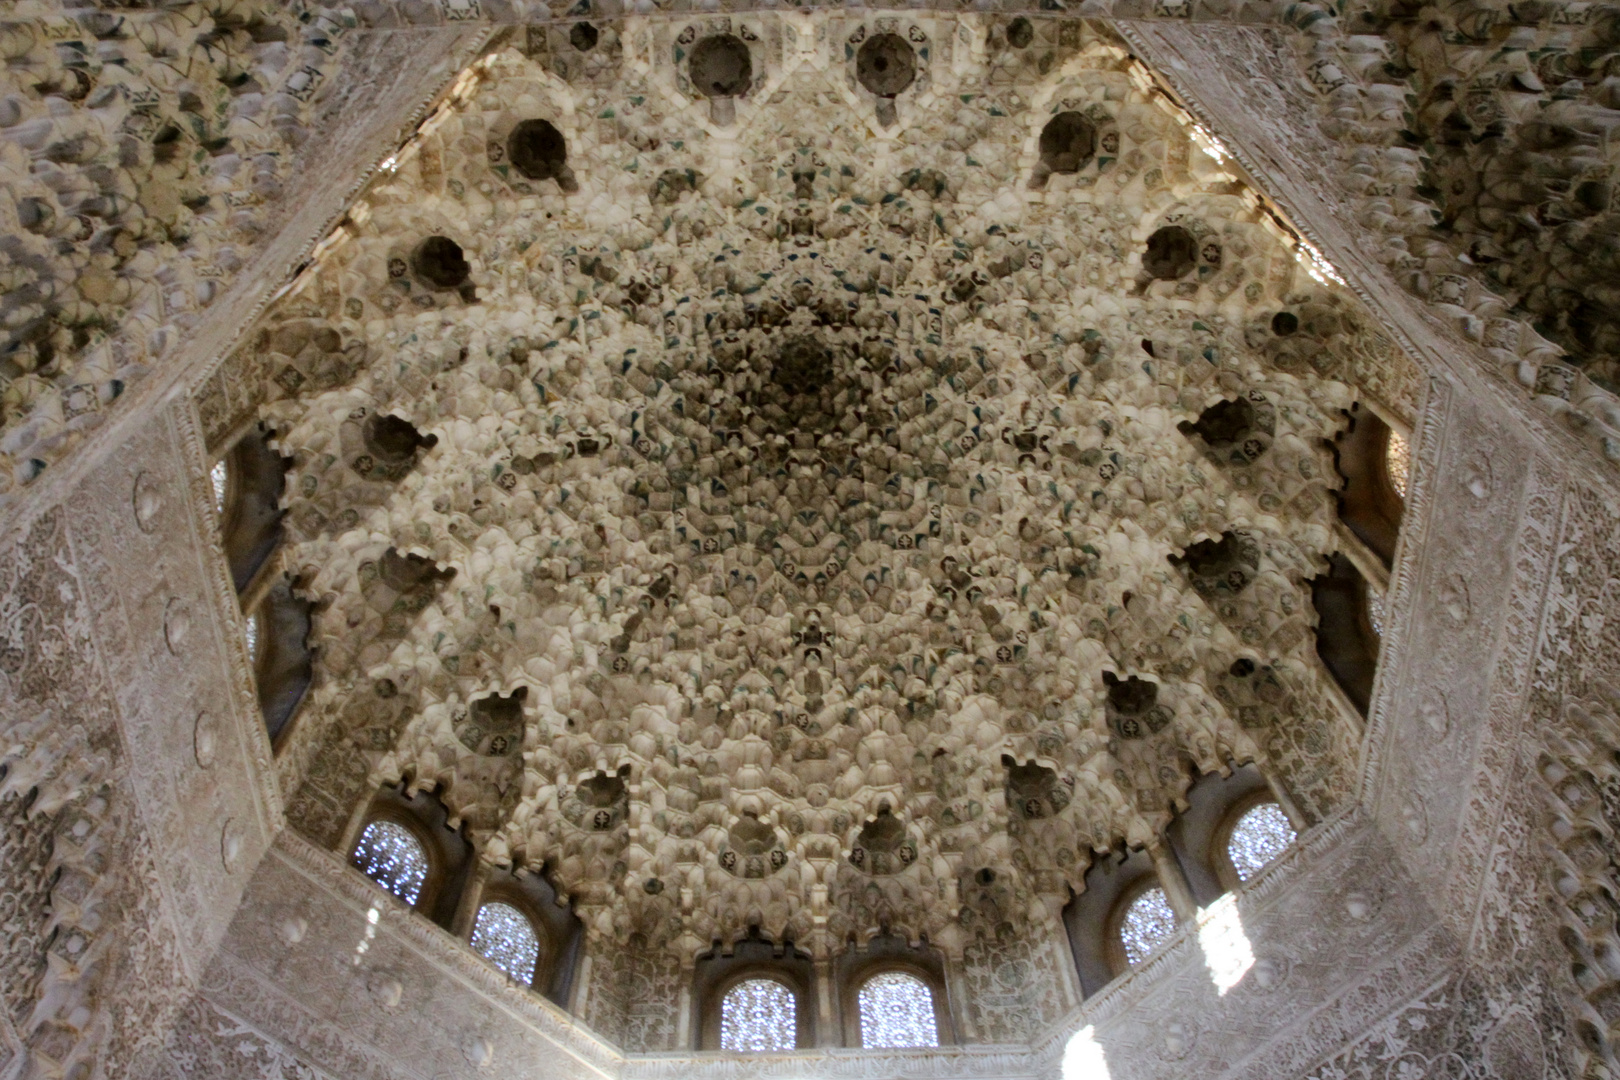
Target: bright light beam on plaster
1083, 1057
1227, 952
1212, 146
1316, 264
371, 933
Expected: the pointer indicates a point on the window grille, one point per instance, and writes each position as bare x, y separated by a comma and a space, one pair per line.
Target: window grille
1259, 836
218, 475
1148, 921
392, 857
1398, 458
759, 1014
897, 1010
1375, 610
505, 937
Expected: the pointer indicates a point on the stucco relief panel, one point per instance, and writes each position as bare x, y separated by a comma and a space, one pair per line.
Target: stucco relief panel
1458, 1028
1013, 989
1454, 690
166, 625
90, 957
316, 970
1343, 895
1553, 864
209, 1043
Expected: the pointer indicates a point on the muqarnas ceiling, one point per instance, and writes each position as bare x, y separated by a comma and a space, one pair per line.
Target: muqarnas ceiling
144, 154
848, 490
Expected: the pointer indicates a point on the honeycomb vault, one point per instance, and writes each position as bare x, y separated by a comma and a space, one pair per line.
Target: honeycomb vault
871, 517
812, 469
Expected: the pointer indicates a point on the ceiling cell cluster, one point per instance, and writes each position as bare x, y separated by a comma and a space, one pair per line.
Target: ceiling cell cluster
144, 153
678, 539
798, 515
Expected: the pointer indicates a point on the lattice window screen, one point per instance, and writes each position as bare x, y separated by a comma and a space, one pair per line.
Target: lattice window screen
1148, 921
758, 1014
504, 936
218, 475
1399, 457
897, 1010
389, 855
1259, 836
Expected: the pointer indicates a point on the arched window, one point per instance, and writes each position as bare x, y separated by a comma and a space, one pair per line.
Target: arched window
1232, 825
409, 848
759, 1014
897, 1010
504, 936
1148, 920
1373, 459
278, 631
1260, 835
248, 483
392, 856
1345, 635
1118, 917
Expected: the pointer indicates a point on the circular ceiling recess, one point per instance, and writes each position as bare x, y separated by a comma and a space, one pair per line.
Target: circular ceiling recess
886, 65
721, 67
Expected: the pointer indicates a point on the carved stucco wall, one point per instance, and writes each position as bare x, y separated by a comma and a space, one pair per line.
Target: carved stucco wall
1508, 583
1448, 909
312, 983
1321, 148
85, 89
136, 789
1448, 898
1502, 618
1469, 982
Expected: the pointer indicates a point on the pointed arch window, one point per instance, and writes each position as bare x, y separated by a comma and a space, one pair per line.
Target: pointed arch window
392, 856
1148, 920
248, 483
1260, 835
759, 1015
504, 936
278, 628
897, 1011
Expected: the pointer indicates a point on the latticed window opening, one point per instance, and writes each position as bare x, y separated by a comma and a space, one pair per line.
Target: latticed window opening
218, 475
251, 627
758, 1014
1259, 836
1375, 610
505, 937
389, 855
1148, 921
1398, 458
897, 1010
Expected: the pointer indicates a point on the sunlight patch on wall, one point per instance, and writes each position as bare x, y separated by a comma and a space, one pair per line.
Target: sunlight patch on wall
1083, 1058
1227, 952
